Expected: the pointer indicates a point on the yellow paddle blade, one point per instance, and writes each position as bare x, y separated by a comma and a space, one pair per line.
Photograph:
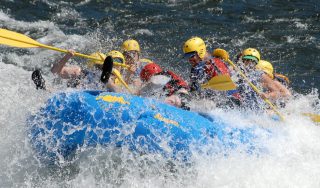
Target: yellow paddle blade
14, 39
221, 83
314, 117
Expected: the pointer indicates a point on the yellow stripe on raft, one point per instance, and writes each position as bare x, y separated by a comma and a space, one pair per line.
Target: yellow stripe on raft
111, 98
168, 121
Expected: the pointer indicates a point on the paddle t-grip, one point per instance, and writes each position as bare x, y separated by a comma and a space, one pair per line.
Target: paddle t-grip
106, 69
38, 79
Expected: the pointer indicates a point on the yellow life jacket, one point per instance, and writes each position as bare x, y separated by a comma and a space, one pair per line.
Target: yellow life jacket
146, 61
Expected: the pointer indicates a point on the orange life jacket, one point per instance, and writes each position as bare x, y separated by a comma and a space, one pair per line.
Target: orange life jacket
282, 79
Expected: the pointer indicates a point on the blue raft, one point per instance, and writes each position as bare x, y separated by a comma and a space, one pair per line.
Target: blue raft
74, 120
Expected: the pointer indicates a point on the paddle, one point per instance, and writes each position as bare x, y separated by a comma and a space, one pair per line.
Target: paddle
19, 40
118, 75
106, 69
223, 54
221, 83
38, 80
314, 117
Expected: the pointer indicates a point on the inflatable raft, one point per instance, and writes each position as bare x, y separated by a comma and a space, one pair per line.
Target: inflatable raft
74, 120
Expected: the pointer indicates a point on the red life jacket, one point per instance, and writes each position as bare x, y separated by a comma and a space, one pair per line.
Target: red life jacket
175, 83
216, 66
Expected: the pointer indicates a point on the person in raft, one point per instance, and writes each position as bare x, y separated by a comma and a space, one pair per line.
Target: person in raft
84, 78
249, 63
203, 68
165, 85
279, 95
132, 53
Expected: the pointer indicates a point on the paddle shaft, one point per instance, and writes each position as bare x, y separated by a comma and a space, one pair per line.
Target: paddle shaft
122, 81
255, 89
60, 50
125, 84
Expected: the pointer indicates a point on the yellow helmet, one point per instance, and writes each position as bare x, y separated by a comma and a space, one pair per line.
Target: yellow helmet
116, 56
220, 53
195, 44
251, 53
130, 45
97, 55
266, 67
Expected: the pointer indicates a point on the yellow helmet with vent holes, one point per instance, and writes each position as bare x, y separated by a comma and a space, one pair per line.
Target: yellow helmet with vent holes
130, 45
266, 67
251, 53
116, 56
195, 44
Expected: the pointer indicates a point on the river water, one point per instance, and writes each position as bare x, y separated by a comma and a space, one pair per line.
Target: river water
287, 33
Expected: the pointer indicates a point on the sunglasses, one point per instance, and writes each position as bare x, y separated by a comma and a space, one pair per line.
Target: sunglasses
190, 55
249, 60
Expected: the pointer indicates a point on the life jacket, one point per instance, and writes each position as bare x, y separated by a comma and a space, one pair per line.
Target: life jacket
205, 70
142, 63
175, 83
216, 66
282, 79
